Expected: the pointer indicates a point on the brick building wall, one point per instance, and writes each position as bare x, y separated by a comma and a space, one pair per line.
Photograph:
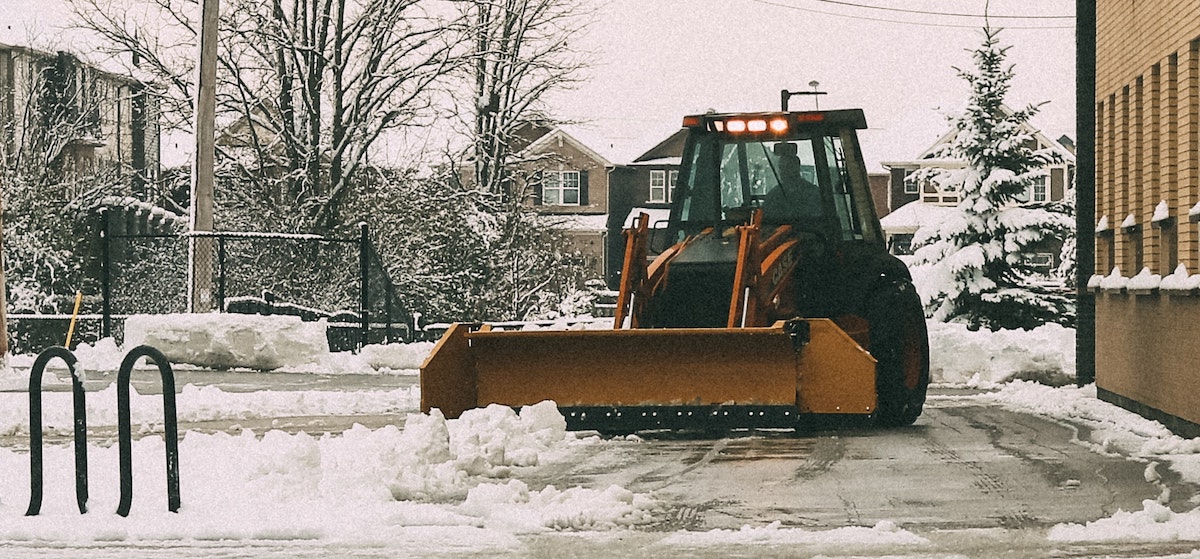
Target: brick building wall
1147, 153
1147, 133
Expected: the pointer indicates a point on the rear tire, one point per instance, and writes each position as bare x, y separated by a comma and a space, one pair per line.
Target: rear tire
899, 342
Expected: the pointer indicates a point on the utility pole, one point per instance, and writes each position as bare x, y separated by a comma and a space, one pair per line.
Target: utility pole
1085, 190
3, 292
200, 247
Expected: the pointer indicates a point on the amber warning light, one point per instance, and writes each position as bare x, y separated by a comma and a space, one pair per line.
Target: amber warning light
778, 125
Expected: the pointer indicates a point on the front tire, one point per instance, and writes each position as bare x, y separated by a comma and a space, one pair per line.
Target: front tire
899, 342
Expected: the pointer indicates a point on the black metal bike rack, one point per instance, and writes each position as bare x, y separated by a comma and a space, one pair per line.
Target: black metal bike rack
170, 428
124, 431
35, 430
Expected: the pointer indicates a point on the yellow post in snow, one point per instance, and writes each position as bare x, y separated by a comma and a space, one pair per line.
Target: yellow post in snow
74, 315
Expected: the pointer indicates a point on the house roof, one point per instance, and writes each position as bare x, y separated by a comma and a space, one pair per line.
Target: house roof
671, 147
913, 216
576, 222
676, 161
45, 27
546, 140
926, 158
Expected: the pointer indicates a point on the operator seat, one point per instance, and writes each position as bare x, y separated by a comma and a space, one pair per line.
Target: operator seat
794, 199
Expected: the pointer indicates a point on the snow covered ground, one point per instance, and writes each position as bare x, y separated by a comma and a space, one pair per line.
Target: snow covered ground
449, 486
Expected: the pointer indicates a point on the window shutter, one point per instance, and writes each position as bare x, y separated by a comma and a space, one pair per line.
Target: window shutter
538, 180
583, 188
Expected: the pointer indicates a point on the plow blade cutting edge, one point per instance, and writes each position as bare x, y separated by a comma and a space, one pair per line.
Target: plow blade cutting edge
624, 380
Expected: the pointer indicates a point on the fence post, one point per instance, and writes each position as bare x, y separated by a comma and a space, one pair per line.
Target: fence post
220, 273
35, 430
125, 431
105, 274
364, 261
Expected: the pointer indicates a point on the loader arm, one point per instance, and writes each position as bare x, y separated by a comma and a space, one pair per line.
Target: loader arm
640, 279
762, 290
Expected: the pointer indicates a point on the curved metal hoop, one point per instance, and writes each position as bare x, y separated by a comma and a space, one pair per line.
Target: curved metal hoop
35, 430
170, 428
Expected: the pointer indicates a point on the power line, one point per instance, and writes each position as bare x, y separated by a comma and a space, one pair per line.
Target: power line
917, 23
947, 14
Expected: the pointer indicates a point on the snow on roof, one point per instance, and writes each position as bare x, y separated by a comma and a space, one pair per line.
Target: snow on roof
657, 216
913, 216
660, 161
48, 26
577, 222
619, 141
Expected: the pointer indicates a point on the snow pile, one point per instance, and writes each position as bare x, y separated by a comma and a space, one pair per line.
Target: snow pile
884, 533
363, 485
512, 507
207, 403
1116, 431
226, 340
958, 355
396, 357
1154, 523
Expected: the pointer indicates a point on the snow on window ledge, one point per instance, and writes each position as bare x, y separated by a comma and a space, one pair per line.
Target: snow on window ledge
1102, 225
1114, 282
1144, 283
1179, 283
1129, 223
1162, 212
1194, 213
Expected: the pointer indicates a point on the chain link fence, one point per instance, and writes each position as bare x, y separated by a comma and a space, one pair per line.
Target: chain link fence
340, 280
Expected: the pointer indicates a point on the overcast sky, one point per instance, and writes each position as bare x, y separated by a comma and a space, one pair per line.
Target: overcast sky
658, 60
654, 61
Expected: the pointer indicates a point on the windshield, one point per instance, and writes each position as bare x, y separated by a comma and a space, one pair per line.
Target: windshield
797, 181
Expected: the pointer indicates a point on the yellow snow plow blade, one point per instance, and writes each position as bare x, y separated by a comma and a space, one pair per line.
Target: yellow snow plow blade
655, 378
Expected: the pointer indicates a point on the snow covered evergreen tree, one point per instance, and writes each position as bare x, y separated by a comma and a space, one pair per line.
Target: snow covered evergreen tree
977, 272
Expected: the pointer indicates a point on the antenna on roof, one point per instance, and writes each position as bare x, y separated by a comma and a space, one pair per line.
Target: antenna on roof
785, 95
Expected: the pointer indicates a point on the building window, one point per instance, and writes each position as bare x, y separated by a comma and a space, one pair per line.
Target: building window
658, 186
1039, 260
910, 185
561, 188
1038, 191
674, 178
901, 244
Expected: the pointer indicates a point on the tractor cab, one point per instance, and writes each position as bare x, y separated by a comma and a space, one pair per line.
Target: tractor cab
801, 169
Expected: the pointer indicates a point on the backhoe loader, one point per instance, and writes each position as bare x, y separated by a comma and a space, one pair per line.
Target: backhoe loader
767, 298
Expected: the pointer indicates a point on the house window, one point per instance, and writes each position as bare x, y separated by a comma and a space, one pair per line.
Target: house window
910, 186
674, 178
1039, 260
900, 244
561, 188
658, 186
1038, 192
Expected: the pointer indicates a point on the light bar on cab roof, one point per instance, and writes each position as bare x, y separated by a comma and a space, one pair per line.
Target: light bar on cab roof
756, 124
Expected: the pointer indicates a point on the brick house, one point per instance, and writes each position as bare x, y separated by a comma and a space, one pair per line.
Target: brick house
71, 122
1147, 208
902, 219
568, 183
